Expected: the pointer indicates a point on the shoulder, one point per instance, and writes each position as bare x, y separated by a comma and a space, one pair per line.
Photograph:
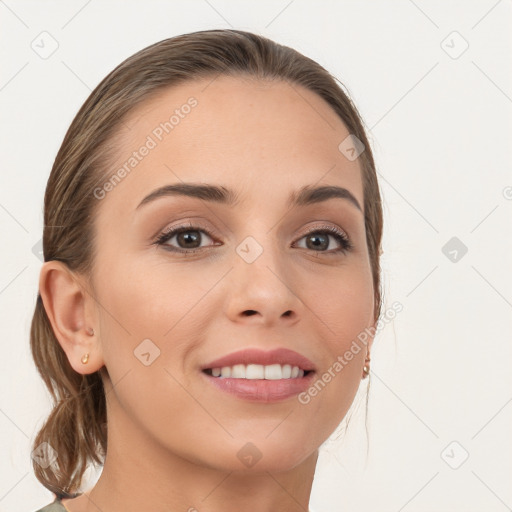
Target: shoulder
54, 506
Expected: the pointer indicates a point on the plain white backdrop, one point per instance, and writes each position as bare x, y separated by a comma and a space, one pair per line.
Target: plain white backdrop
433, 83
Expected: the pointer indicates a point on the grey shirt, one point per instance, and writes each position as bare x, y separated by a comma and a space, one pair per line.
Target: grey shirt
54, 506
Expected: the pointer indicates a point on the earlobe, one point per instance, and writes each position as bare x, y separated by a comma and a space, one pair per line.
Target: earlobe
68, 308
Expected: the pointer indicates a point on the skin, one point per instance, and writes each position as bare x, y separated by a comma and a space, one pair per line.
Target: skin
173, 438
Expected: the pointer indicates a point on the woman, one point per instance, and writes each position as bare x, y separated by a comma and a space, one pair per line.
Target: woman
212, 237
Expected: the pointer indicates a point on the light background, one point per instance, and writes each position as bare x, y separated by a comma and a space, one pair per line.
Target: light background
440, 125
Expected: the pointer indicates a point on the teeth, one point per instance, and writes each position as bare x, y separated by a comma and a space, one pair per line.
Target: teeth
237, 372
255, 371
258, 371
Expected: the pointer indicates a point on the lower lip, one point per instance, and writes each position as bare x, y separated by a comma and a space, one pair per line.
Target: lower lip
262, 390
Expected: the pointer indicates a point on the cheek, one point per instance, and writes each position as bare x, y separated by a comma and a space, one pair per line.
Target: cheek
343, 303
343, 309
146, 297
147, 309
147, 294
331, 393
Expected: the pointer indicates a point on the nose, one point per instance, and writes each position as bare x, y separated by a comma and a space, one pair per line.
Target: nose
263, 291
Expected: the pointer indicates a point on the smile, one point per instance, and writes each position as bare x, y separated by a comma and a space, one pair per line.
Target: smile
260, 376
257, 371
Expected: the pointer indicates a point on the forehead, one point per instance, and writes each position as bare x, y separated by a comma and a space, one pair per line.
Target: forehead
261, 138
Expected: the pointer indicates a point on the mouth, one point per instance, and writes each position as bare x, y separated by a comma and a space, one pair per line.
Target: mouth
260, 376
258, 372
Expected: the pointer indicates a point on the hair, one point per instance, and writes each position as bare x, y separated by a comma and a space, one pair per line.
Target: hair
76, 425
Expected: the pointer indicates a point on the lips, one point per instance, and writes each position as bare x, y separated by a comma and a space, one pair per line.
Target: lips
260, 389
253, 356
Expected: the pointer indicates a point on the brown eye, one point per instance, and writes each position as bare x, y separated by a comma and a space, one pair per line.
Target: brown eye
188, 238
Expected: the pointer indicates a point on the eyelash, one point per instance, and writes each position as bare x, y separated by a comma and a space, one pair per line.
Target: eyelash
340, 236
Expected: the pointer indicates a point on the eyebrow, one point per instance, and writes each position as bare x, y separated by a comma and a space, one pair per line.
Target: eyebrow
304, 196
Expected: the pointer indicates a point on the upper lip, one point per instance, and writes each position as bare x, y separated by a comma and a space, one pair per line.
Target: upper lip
255, 356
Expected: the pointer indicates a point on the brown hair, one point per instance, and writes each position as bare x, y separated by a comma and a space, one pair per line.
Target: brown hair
75, 428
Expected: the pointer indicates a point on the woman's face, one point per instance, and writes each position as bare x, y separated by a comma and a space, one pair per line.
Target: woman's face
245, 275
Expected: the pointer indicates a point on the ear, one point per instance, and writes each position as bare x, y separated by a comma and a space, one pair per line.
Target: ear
70, 309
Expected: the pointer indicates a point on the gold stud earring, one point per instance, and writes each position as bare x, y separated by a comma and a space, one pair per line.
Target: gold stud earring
90, 331
85, 358
366, 367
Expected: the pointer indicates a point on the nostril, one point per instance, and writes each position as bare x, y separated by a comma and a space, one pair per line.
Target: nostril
250, 312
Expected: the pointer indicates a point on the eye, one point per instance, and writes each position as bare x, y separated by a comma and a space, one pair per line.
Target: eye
188, 237
319, 238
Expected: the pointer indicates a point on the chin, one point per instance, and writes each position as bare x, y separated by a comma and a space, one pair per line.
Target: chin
264, 455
